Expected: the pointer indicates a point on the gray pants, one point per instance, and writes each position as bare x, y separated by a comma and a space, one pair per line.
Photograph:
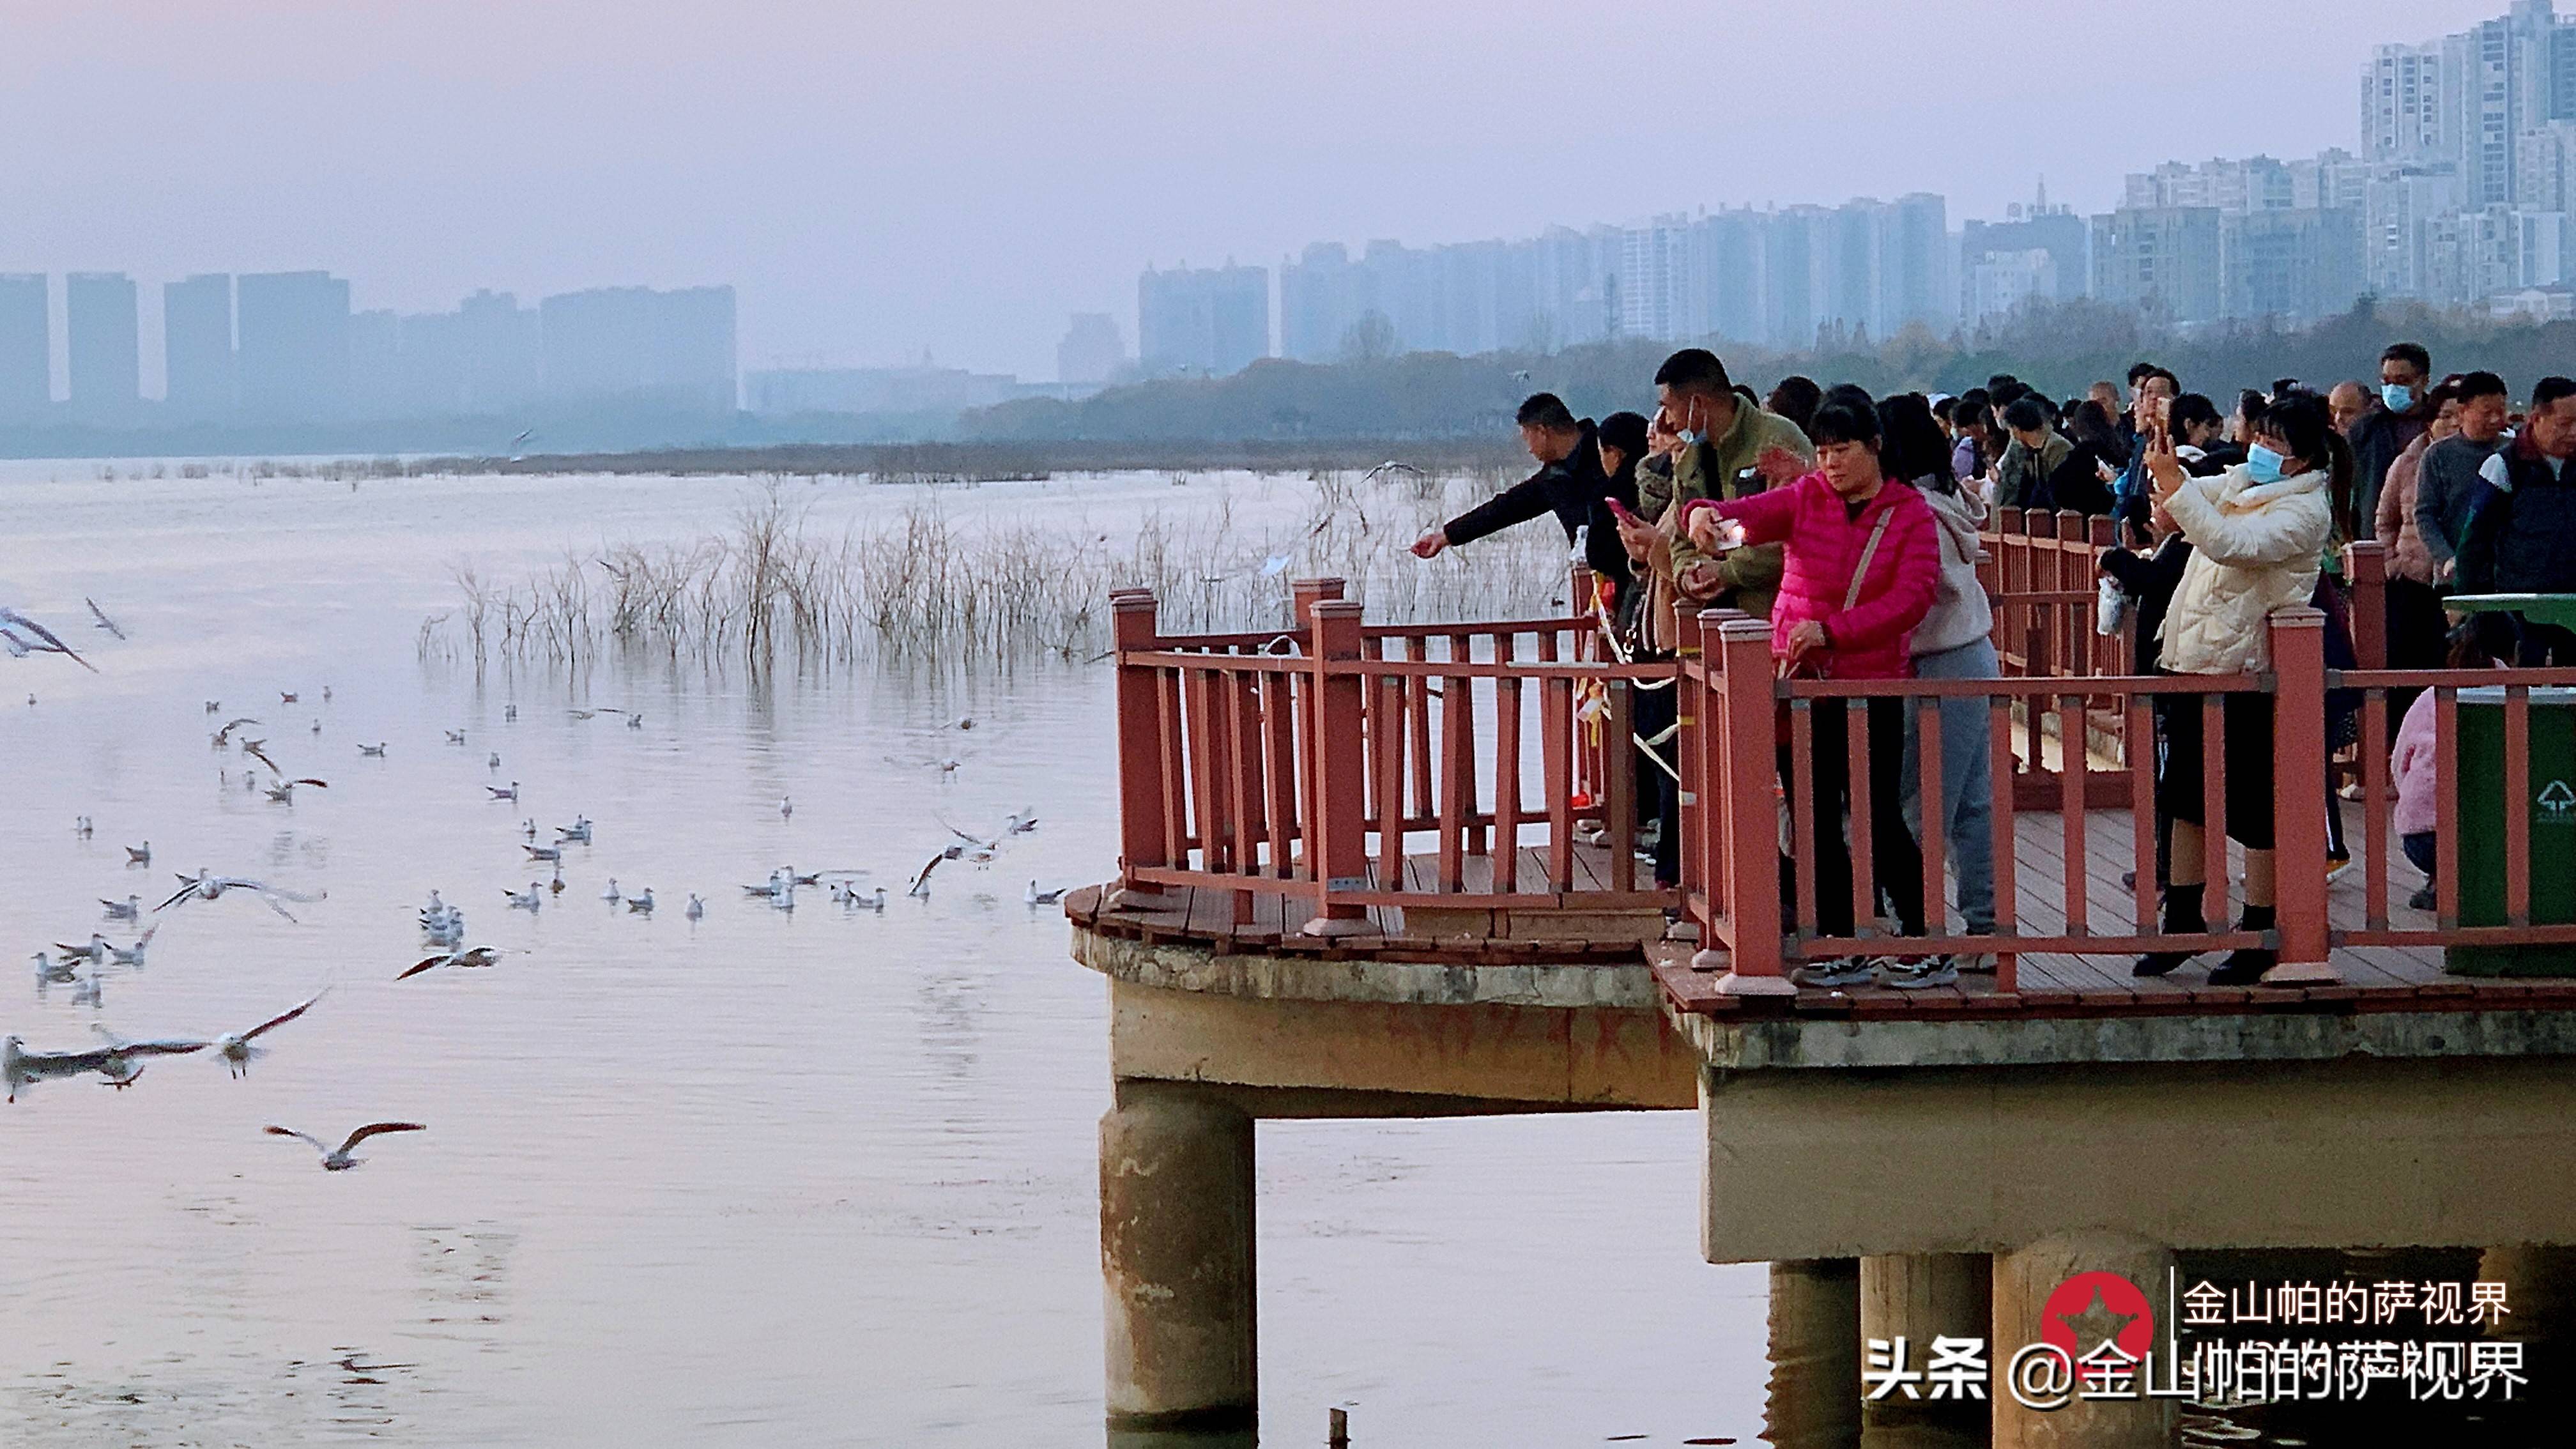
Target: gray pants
1967, 780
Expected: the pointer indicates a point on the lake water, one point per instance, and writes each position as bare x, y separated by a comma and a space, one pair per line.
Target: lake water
824, 1177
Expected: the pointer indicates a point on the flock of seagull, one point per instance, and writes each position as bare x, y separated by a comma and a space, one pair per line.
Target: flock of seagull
120, 1063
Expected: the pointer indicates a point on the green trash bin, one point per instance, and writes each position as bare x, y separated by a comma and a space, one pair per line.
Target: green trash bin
2551, 780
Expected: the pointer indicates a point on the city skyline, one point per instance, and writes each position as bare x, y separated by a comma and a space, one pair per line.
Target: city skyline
547, 150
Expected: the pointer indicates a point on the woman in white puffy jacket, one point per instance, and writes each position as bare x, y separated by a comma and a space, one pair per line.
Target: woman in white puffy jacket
2258, 533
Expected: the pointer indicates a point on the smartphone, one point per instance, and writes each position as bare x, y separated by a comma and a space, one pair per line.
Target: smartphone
1624, 513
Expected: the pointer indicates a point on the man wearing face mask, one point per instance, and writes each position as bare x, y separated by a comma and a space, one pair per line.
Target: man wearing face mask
1707, 441
2523, 537
2405, 410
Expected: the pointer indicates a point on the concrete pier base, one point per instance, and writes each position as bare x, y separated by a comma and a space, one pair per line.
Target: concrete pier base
1176, 1261
1814, 1400
2024, 1279
1920, 1297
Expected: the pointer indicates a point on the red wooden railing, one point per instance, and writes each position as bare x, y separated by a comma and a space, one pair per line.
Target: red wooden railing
1312, 763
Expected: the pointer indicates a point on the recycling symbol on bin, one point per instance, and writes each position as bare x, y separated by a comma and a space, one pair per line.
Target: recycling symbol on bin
2557, 799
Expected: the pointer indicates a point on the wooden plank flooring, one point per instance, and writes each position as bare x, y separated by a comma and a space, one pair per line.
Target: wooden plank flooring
2373, 978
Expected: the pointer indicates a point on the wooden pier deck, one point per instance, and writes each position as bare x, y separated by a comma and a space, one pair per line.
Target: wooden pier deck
2373, 978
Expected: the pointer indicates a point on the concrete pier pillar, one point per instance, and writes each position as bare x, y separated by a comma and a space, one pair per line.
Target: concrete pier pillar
1814, 1400
1176, 1261
2024, 1282
2540, 1291
1920, 1297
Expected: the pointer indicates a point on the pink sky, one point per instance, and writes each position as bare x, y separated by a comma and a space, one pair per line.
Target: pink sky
882, 177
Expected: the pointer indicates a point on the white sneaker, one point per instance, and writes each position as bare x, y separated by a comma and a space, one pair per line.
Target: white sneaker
1918, 975
1842, 971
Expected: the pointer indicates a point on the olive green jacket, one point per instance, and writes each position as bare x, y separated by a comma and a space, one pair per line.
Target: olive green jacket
1724, 467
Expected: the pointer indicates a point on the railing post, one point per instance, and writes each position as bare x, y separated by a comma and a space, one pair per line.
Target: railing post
2365, 576
1684, 751
1752, 821
2298, 641
1337, 852
1142, 789
1305, 594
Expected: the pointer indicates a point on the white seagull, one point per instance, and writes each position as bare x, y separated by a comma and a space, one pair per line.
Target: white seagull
543, 852
456, 737
511, 794
133, 955
224, 736
373, 752
921, 883
95, 951
139, 854
471, 956
529, 899
337, 1159
235, 1047
283, 792
697, 908
643, 904
577, 833
128, 909
610, 895
786, 808
1038, 897
205, 885
871, 901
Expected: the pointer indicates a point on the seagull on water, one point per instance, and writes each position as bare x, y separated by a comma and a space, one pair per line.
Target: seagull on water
643, 904
139, 854
556, 886
213, 705
50, 972
1038, 897
529, 899
128, 909
235, 1046
697, 908
509, 711
781, 882
544, 852
95, 951
206, 885
786, 808
493, 763
471, 956
511, 794
610, 895
337, 1159
284, 697
133, 955
866, 901
456, 737
635, 721
577, 833
81, 826
23, 636
373, 752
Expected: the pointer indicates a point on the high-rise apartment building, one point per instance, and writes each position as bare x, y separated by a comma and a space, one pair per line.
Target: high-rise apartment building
105, 355
1209, 322
26, 345
292, 357
197, 347
636, 346
1092, 351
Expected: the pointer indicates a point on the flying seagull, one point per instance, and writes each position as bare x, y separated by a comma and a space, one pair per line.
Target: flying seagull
283, 792
921, 882
23, 636
100, 615
472, 956
235, 1047
337, 1159
205, 885
224, 736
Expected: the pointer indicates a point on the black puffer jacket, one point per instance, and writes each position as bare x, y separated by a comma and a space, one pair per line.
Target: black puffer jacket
2523, 537
1572, 490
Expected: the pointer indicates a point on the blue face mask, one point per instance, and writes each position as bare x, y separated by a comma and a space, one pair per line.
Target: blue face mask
2262, 464
1692, 437
2398, 396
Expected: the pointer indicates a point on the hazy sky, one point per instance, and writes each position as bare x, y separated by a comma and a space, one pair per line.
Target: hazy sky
882, 177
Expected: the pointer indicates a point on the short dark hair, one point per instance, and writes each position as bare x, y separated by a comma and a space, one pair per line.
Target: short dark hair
2469, 385
2188, 411
1795, 399
2549, 390
1694, 369
1972, 412
2152, 373
2410, 353
2138, 370
2000, 381
1845, 420
2025, 415
1945, 409
1546, 410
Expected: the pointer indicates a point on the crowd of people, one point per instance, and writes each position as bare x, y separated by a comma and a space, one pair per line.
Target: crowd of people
1851, 524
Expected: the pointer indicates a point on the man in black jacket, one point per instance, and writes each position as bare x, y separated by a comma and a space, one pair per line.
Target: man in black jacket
2522, 539
1569, 483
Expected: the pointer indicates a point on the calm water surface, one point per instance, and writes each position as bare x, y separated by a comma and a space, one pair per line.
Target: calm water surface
817, 1177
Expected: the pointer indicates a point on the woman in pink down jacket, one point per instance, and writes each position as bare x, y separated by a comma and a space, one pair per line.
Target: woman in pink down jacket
1862, 565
